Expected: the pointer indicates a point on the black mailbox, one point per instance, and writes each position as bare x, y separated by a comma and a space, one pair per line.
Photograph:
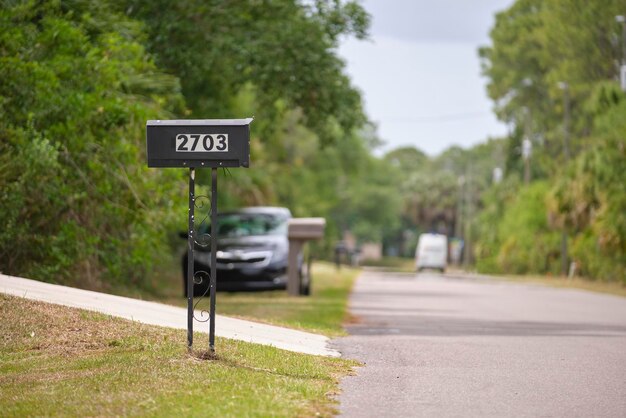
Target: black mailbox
198, 143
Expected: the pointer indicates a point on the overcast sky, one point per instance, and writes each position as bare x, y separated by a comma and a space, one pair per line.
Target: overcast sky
420, 72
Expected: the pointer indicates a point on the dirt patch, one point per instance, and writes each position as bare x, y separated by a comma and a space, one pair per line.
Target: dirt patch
37, 326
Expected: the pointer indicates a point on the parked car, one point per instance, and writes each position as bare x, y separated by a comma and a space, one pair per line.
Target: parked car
252, 250
431, 252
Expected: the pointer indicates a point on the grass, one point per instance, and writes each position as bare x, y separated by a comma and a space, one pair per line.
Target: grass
324, 311
62, 361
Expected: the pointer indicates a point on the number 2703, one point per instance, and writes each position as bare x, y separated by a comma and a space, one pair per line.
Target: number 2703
201, 142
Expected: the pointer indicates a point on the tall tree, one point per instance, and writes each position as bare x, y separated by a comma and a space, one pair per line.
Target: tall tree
285, 49
76, 200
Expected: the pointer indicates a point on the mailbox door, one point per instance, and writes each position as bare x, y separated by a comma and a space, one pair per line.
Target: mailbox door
198, 143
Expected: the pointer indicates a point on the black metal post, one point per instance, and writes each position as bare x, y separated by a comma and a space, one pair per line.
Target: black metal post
213, 282
190, 257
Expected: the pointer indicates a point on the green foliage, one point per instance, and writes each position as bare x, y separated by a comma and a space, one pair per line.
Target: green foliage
285, 48
375, 204
528, 244
81, 77
515, 235
439, 194
77, 200
591, 200
277, 61
536, 45
495, 201
515, 228
515, 64
407, 159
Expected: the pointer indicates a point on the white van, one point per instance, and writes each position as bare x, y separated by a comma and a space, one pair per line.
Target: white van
431, 252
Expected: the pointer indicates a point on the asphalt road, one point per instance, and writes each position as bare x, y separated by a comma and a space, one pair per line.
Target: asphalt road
438, 346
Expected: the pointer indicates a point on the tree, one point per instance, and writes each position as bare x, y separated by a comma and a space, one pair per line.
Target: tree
284, 49
536, 46
77, 201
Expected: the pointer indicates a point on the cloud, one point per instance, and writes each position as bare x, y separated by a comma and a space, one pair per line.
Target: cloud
455, 21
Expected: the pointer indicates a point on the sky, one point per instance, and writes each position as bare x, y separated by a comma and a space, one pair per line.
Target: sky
420, 73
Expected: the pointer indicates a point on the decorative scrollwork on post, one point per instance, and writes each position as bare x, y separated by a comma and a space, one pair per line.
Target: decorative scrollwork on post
200, 278
201, 236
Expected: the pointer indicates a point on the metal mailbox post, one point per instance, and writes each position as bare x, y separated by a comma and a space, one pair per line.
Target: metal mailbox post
299, 231
195, 144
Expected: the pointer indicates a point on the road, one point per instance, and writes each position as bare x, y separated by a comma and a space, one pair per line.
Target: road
439, 346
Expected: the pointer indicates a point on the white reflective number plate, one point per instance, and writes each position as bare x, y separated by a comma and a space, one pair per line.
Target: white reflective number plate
201, 142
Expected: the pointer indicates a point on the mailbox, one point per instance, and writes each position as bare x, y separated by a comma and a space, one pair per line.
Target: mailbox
198, 143
306, 228
299, 231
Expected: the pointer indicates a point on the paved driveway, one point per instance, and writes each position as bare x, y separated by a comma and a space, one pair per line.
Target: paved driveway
438, 346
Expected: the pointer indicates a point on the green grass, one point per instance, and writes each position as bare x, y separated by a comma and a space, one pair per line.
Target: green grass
62, 361
324, 311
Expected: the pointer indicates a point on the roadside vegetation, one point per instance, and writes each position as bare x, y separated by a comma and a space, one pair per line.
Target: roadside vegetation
552, 70
81, 77
563, 96
62, 361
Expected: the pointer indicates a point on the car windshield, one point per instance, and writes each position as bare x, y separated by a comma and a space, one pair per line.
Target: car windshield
247, 224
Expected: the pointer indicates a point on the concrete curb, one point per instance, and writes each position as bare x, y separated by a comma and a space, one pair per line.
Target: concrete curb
153, 313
